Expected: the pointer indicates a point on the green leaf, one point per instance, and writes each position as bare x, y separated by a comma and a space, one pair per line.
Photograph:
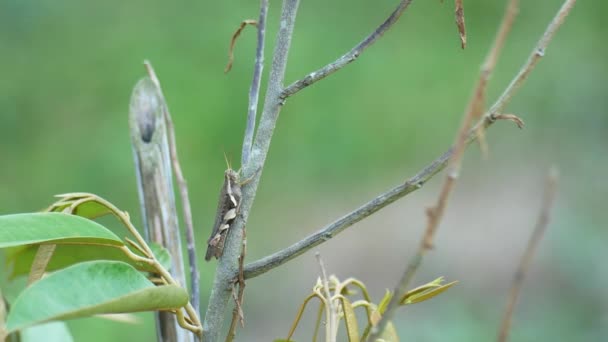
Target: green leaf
89, 209
283, 340
425, 292
26, 229
48, 332
90, 288
352, 328
20, 261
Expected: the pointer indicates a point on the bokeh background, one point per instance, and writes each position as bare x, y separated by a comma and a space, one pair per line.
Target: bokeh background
68, 68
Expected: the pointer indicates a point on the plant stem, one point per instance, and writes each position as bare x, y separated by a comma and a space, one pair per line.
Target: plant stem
228, 263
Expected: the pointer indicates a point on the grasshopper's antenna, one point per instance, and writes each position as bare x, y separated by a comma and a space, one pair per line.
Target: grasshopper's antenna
227, 162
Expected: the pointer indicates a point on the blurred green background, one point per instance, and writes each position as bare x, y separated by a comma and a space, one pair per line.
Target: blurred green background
68, 68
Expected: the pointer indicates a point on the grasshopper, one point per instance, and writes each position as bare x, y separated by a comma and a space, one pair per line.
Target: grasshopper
228, 208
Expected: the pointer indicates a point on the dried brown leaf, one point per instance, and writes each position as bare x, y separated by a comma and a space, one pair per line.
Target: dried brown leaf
235, 36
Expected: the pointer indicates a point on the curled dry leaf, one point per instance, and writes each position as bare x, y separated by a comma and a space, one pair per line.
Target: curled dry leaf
235, 36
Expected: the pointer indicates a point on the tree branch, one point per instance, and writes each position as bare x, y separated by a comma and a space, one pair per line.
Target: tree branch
541, 226
254, 90
228, 263
535, 56
435, 214
350, 56
414, 183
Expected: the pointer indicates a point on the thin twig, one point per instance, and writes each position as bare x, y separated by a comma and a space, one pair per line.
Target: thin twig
183, 190
541, 226
535, 56
235, 36
3, 311
228, 264
435, 214
350, 56
254, 90
237, 313
490, 64
459, 13
414, 183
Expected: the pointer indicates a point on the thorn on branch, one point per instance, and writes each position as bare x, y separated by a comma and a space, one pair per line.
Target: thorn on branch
235, 36
511, 117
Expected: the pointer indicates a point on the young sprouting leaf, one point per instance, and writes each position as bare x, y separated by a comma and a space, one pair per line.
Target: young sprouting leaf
89, 209
352, 328
426, 291
27, 229
91, 288
389, 334
20, 261
296, 321
47, 332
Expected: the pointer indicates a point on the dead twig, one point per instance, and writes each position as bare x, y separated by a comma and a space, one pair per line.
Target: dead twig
459, 12
435, 213
542, 223
238, 295
235, 36
183, 190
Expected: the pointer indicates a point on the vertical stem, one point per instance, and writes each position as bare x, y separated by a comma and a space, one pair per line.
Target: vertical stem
155, 187
254, 90
228, 264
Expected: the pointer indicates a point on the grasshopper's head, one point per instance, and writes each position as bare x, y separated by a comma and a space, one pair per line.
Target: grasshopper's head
231, 175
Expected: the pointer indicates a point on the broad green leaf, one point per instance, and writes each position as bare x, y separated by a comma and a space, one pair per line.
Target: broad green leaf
20, 262
47, 332
352, 328
44, 253
26, 229
90, 288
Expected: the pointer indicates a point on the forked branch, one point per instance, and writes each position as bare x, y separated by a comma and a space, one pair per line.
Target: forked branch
435, 213
228, 263
350, 56
414, 183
